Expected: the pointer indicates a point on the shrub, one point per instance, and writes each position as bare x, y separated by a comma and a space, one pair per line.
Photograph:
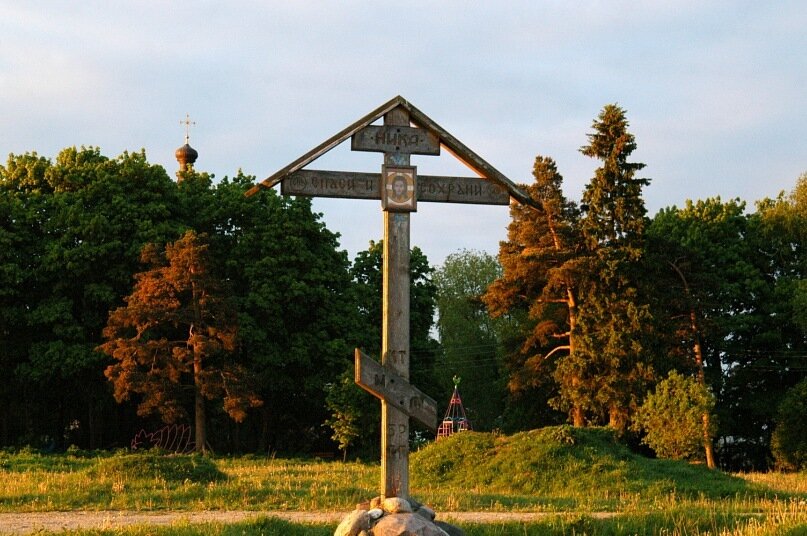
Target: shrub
672, 417
789, 440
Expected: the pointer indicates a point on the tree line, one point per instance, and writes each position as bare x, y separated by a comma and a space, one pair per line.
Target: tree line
107, 265
601, 315
128, 300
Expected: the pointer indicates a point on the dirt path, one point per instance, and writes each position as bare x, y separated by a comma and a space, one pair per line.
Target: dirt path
37, 522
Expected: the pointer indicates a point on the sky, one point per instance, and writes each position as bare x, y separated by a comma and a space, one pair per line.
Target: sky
715, 91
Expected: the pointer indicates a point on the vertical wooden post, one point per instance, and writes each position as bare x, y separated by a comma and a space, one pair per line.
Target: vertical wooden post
397, 139
395, 332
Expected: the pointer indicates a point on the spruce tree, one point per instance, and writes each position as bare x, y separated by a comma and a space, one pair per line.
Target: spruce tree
611, 358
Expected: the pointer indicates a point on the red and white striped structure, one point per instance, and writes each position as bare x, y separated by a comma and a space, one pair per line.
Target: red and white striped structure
455, 419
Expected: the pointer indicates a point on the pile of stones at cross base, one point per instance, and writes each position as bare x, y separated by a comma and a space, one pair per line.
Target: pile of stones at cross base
394, 516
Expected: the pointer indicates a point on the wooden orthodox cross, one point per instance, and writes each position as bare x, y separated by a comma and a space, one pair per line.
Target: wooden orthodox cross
399, 188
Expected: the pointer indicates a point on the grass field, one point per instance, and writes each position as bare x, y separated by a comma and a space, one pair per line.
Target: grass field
570, 473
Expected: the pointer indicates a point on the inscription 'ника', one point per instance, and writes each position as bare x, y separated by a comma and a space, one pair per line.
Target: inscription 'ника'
395, 139
389, 137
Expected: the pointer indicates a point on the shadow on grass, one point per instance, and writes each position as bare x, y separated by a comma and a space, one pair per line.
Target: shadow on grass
668, 524
263, 527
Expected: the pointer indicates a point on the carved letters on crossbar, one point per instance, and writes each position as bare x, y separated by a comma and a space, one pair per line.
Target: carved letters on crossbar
430, 188
385, 384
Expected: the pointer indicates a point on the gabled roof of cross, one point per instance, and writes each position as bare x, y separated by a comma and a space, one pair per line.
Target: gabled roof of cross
458, 149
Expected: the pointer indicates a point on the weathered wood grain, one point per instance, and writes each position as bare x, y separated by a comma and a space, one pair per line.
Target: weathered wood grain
386, 384
430, 188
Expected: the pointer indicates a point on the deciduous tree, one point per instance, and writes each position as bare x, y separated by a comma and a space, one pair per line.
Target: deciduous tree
23, 212
297, 315
344, 401
366, 271
367, 274
789, 441
672, 417
85, 217
705, 277
469, 337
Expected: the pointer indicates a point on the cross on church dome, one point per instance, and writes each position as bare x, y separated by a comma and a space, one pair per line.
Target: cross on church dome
186, 155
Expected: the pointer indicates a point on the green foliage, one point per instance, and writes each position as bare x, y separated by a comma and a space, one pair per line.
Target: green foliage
78, 226
789, 441
613, 209
72, 228
672, 417
366, 272
344, 401
703, 252
460, 282
730, 282
296, 312
611, 360
776, 332
71, 232
351, 409
574, 275
151, 465
469, 336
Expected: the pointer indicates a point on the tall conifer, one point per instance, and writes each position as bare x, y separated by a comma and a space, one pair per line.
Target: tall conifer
540, 277
611, 358
175, 330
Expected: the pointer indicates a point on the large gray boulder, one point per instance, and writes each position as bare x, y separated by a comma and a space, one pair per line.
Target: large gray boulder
406, 525
355, 522
394, 517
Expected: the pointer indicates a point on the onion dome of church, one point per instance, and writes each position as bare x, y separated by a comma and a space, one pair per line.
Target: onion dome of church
186, 156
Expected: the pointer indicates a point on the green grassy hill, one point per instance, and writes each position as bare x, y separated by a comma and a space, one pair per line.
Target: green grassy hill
566, 466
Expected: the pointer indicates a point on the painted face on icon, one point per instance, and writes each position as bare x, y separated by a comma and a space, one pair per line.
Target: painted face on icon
399, 192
